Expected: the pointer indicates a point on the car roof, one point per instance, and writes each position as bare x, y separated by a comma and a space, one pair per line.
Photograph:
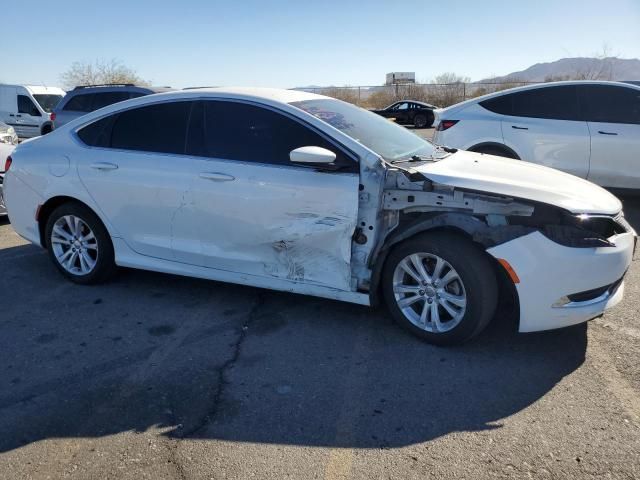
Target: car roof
268, 96
534, 86
280, 95
82, 89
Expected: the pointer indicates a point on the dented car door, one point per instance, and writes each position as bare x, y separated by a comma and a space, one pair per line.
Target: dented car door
252, 211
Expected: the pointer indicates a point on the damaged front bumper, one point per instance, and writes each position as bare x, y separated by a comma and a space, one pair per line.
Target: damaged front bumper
560, 285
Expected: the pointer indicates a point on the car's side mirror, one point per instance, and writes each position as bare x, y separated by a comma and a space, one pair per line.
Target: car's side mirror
312, 156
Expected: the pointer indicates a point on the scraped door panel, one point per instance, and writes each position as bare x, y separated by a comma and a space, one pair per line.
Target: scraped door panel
286, 222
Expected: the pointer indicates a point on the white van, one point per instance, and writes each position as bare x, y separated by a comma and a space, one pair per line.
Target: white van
27, 108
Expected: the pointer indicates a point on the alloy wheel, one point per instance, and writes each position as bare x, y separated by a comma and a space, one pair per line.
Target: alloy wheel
429, 292
74, 245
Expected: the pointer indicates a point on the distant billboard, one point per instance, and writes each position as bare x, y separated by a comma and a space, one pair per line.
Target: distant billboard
400, 77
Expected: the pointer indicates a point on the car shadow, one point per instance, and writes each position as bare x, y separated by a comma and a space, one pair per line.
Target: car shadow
215, 361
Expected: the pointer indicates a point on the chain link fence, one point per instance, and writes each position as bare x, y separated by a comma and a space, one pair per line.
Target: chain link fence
439, 94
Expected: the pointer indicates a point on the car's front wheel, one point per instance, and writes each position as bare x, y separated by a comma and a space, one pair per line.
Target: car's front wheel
79, 244
441, 287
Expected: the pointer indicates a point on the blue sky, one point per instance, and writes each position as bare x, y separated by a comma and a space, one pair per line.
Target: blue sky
293, 43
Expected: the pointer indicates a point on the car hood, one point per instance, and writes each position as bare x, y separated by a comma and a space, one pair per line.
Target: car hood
518, 179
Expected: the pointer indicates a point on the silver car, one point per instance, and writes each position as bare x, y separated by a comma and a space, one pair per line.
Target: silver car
8, 141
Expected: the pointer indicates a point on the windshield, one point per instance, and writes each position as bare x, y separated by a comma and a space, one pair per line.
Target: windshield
47, 102
389, 140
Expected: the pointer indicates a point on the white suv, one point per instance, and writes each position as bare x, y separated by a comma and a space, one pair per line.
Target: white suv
590, 129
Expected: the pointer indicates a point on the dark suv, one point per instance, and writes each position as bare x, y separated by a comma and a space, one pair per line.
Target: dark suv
85, 99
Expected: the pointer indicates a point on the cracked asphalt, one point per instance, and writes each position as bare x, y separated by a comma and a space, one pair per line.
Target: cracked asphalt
163, 377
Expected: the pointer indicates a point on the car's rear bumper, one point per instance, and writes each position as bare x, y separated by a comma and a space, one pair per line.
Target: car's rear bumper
561, 286
22, 203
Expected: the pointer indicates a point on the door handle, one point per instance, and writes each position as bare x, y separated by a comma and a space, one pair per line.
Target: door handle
11, 115
217, 177
104, 166
519, 128
606, 133
18, 115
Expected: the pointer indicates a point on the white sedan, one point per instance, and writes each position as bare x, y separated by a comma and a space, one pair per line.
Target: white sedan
587, 128
298, 192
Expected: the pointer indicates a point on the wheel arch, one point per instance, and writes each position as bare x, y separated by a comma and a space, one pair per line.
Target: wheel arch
47, 208
499, 146
459, 224
47, 127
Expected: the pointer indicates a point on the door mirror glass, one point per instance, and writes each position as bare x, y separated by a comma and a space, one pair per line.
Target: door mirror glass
313, 155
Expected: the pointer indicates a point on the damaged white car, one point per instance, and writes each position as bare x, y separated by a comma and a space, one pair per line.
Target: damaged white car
302, 193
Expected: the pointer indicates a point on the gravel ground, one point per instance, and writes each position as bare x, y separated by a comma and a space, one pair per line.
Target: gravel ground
156, 376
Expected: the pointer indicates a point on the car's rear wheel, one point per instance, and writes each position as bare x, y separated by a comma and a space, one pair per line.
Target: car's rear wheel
441, 287
422, 121
79, 244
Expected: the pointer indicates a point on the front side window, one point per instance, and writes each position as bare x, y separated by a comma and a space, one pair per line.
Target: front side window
388, 139
240, 131
610, 104
402, 106
26, 106
47, 102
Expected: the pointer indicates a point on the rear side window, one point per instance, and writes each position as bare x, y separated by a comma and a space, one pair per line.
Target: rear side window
79, 103
239, 131
98, 134
108, 98
158, 128
155, 128
554, 103
610, 104
501, 105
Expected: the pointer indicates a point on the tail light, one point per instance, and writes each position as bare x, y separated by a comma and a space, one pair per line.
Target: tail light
446, 124
7, 163
53, 116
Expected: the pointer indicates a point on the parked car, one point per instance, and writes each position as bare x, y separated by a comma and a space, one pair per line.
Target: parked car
8, 140
293, 191
87, 98
27, 107
589, 129
409, 112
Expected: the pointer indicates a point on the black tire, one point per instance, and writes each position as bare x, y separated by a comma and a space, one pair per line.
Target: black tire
475, 270
422, 121
494, 150
46, 129
105, 266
